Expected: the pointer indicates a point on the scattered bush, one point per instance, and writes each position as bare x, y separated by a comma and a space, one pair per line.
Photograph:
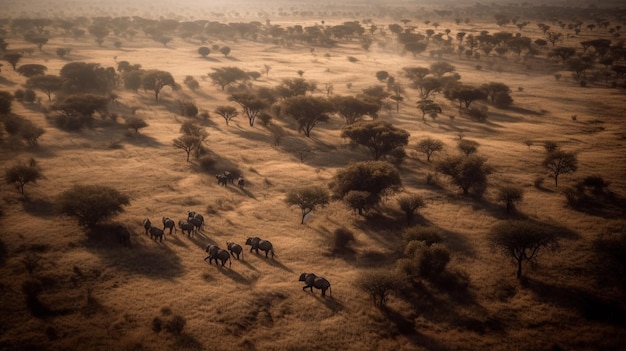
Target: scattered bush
91, 204
379, 284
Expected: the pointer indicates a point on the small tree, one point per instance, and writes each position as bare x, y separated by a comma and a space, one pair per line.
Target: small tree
187, 143
510, 195
429, 146
428, 106
364, 184
31, 132
225, 50
409, 204
521, 240
467, 146
560, 162
468, 173
378, 284
204, 51
91, 204
227, 75
13, 58
227, 112
135, 123
22, 174
307, 199
31, 70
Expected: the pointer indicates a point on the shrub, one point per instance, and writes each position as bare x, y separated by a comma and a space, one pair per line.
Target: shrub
175, 324
19, 95
29, 95
379, 284
428, 235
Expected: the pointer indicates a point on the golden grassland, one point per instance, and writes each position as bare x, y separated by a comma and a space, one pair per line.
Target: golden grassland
105, 297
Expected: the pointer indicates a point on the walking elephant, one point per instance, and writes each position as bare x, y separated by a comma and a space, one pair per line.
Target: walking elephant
186, 227
235, 249
313, 281
169, 223
257, 244
215, 253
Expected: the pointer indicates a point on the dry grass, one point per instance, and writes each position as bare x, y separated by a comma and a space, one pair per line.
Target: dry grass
102, 296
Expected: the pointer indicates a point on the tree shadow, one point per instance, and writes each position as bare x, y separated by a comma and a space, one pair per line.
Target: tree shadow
40, 207
4, 252
154, 260
588, 305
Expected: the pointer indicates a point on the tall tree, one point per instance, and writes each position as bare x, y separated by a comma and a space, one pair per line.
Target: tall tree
251, 104
379, 137
429, 146
227, 75
91, 204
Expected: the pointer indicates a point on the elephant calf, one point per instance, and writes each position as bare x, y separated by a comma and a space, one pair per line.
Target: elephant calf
313, 281
235, 249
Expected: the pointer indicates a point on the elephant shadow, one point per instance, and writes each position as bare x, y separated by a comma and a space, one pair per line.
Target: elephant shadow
330, 302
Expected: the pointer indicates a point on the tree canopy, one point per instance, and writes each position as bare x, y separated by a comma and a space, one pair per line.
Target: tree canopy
307, 111
91, 204
307, 199
379, 137
156, 80
367, 182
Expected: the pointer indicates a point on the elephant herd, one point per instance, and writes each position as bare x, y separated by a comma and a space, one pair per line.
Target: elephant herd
195, 222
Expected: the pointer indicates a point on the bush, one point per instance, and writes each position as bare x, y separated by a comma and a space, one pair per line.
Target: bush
379, 284
424, 261
91, 204
502, 100
428, 235
342, 238
72, 123
175, 325
19, 95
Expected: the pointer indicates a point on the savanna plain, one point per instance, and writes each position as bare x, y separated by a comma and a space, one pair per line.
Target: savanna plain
144, 94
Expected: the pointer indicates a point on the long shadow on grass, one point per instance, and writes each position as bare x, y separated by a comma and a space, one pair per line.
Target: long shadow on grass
273, 262
590, 306
39, 207
154, 259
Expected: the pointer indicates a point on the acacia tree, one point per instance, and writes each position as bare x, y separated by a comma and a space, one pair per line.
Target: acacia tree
187, 143
227, 75
467, 146
379, 137
250, 103
364, 184
353, 109
48, 84
560, 162
307, 199
378, 284
429, 146
409, 204
468, 173
156, 80
32, 70
13, 58
522, 240
22, 174
91, 204
465, 94
227, 112
307, 111
135, 123
428, 106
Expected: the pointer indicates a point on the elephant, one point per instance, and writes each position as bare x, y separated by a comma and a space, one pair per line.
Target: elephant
156, 233
169, 223
235, 249
196, 219
230, 176
313, 281
216, 253
186, 226
123, 235
221, 179
147, 224
241, 182
257, 243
